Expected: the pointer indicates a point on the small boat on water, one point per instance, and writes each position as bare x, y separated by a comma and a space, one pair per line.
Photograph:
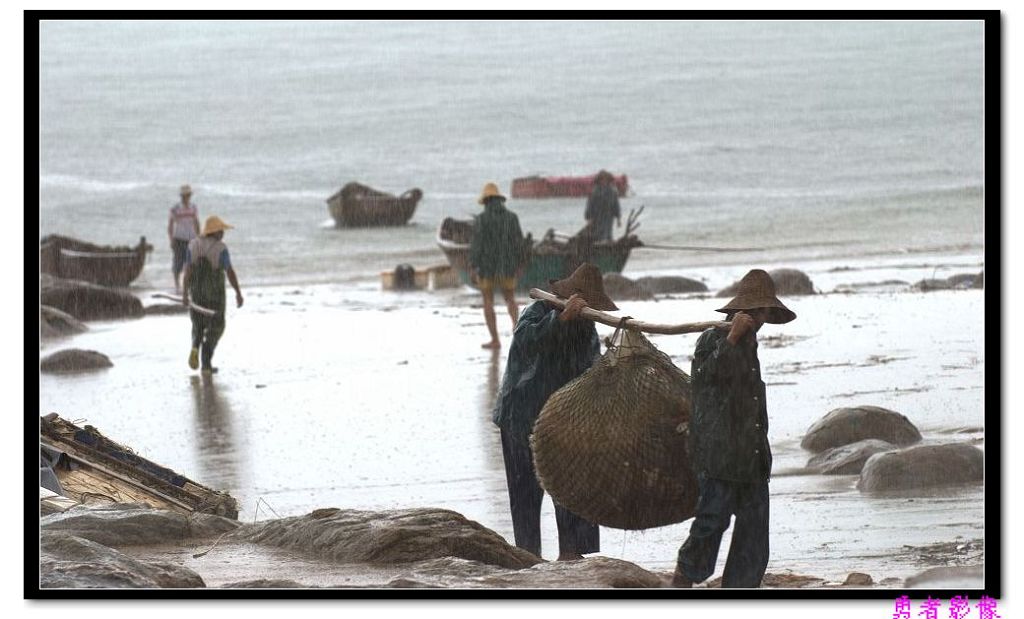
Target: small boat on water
554, 257
358, 206
562, 186
90, 467
69, 258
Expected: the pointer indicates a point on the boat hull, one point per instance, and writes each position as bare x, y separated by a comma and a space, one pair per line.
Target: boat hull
359, 206
533, 187
69, 258
548, 260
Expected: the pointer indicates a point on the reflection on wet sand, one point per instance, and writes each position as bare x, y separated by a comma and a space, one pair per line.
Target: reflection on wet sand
487, 395
217, 455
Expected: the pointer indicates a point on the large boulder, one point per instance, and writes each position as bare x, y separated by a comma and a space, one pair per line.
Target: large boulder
387, 537
135, 524
621, 288
843, 426
70, 562
923, 466
55, 323
671, 285
848, 459
87, 301
788, 282
74, 360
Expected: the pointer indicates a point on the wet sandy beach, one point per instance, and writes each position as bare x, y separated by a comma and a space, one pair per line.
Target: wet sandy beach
346, 396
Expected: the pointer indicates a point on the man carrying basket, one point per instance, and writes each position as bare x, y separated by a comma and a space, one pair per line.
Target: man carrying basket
550, 347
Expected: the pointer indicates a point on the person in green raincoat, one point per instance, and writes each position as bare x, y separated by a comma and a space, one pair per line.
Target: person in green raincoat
207, 261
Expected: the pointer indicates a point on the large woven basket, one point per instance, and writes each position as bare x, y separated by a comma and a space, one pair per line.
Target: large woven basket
611, 447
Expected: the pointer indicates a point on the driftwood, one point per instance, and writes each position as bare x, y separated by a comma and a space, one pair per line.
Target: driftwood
637, 325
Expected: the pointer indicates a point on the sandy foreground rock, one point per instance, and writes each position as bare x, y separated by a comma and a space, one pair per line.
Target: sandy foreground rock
401, 536
68, 561
128, 524
87, 301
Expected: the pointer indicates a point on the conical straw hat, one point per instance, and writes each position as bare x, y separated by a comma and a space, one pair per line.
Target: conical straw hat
587, 282
755, 290
215, 224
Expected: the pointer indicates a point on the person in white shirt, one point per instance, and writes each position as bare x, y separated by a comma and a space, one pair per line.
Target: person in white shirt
182, 227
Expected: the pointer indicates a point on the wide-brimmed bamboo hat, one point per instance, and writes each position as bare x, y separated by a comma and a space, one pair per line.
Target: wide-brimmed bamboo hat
756, 290
215, 224
603, 175
587, 282
186, 190
490, 191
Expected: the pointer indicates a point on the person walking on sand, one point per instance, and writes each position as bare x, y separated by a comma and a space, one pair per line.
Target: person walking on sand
495, 255
729, 441
207, 262
603, 207
182, 227
550, 347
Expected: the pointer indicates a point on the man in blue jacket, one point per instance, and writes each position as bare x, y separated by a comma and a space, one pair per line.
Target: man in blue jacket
550, 347
729, 441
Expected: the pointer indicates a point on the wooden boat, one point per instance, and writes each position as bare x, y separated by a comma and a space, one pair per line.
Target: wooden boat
562, 186
63, 256
554, 257
91, 467
359, 206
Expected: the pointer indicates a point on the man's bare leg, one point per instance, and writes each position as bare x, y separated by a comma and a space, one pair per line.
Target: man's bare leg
510, 303
491, 321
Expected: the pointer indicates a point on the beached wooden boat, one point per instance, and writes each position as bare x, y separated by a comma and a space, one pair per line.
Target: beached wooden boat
562, 186
359, 206
91, 467
553, 257
69, 258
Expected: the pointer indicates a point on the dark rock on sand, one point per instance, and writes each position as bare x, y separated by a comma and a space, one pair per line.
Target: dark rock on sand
858, 579
848, 459
843, 426
74, 360
87, 301
399, 536
67, 561
671, 284
55, 323
594, 572
948, 578
959, 281
788, 282
622, 288
923, 466
134, 524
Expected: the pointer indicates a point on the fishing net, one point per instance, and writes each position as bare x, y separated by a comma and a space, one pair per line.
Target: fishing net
611, 446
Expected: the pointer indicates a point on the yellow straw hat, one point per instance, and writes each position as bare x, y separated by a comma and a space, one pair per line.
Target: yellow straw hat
186, 190
214, 224
490, 191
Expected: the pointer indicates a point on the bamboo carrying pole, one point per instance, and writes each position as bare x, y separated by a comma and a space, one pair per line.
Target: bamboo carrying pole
638, 325
199, 308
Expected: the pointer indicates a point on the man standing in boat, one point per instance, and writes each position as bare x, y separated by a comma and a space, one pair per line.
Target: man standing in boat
550, 347
729, 441
495, 255
603, 207
207, 262
182, 227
